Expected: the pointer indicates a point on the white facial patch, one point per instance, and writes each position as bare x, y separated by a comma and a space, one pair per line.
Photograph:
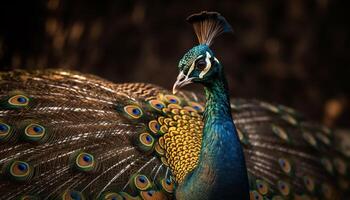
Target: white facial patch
207, 68
192, 66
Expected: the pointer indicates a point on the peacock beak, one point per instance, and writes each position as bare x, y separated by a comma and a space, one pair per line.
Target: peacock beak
181, 81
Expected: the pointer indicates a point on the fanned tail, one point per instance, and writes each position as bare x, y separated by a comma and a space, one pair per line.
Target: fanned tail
288, 157
67, 134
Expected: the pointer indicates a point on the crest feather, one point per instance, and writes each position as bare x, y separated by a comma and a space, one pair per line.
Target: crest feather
208, 25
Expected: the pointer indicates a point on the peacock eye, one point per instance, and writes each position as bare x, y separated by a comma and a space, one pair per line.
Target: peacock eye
18, 100
84, 162
140, 182
201, 64
19, 170
133, 111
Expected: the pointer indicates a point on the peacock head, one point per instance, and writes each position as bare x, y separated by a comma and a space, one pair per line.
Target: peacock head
199, 65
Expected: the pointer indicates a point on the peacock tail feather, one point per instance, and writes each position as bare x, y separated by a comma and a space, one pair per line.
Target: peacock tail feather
67, 135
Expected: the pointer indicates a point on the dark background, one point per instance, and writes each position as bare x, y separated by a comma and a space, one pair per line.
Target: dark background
294, 52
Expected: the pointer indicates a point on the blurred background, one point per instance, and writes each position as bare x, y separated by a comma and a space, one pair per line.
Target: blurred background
292, 52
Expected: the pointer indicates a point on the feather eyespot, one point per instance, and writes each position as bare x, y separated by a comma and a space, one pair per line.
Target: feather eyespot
4, 128
280, 132
309, 183
198, 107
85, 162
254, 195
72, 195
18, 100
156, 104
20, 170
133, 111
154, 126
167, 185
262, 187
285, 165
140, 182
111, 196
34, 132
145, 141
284, 188
172, 99
5, 131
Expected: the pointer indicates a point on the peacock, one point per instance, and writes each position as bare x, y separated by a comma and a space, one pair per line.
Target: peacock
73, 136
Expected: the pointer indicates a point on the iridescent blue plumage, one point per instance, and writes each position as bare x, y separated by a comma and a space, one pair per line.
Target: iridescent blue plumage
221, 171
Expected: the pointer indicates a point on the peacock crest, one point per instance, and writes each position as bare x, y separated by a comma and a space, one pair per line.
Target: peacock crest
208, 25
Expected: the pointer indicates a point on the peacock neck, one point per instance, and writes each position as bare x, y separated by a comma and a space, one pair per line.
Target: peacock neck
221, 171
217, 104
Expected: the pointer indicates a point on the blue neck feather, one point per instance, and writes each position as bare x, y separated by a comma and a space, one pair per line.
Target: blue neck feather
221, 171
